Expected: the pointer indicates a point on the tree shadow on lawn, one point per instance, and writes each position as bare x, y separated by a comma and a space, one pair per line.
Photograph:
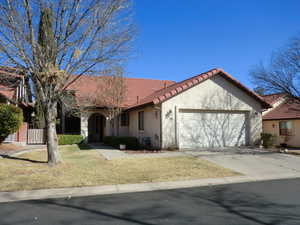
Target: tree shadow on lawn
22, 159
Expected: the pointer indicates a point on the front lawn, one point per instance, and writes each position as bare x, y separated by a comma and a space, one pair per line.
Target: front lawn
89, 168
6, 148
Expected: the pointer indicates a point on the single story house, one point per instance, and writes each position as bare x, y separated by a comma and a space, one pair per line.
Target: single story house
211, 109
283, 120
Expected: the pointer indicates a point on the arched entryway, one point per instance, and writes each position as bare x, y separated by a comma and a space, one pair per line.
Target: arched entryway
96, 125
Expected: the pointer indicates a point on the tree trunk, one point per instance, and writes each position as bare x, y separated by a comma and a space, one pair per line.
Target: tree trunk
52, 141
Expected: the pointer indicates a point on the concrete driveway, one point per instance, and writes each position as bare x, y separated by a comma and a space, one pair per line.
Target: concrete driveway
263, 164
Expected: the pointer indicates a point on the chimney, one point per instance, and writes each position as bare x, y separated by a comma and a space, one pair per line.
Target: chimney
165, 85
137, 99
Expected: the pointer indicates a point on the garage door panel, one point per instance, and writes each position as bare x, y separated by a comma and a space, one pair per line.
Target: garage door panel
211, 129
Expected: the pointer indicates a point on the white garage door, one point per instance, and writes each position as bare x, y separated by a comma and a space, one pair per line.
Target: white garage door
211, 128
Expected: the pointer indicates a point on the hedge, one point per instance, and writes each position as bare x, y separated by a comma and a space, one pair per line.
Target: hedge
268, 140
69, 139
11, 118
131, 143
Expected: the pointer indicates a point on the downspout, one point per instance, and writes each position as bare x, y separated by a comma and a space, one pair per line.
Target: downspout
17, 94
175, 120
160, 127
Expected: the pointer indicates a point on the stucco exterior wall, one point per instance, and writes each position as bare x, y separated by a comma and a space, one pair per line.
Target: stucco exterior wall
272, 127
84, 117
123, 130
213, 94
151, 125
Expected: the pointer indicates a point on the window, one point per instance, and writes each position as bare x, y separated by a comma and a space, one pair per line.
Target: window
285, 128
141, 120
125, 119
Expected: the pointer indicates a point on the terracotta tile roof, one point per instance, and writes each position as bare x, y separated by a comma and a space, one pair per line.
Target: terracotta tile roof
290, 109
10, 78
146, 91
8, 83
136, 88
7, 92
273, 98
166, 93
10, 71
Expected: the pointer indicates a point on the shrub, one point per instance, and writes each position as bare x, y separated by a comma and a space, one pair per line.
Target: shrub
69, 139
131, 143
268, 140
11, 118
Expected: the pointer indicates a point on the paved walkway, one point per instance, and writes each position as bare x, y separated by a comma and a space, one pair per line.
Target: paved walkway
111, 153
108, 152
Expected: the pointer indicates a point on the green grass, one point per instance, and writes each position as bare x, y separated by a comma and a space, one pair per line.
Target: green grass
89, 168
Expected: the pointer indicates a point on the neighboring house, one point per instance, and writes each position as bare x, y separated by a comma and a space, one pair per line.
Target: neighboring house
208, 110
283, 120
13, 91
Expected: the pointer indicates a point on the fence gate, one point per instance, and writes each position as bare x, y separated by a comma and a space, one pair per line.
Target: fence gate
36, 136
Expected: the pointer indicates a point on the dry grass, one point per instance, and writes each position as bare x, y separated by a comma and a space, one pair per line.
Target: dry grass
10, 147
294, 152
88, 168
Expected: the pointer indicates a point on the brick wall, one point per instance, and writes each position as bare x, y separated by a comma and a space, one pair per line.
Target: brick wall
22, 133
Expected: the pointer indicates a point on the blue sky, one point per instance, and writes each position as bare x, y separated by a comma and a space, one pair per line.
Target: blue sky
181, 38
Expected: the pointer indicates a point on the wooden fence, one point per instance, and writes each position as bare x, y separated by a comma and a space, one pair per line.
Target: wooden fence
36, 136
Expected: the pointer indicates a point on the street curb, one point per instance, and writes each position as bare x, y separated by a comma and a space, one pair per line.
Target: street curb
129, 188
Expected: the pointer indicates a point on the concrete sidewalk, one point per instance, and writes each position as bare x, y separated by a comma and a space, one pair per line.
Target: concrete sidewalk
110, 153
127, 188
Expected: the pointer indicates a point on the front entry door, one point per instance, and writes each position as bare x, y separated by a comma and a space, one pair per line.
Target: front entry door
96, 128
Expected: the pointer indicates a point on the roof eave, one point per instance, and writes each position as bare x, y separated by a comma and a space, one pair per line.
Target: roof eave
136, 107
207, 76
264, 104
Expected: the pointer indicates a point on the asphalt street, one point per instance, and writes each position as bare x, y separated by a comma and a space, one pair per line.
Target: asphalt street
268, 203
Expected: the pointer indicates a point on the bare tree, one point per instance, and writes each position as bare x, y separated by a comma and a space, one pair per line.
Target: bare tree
114, 95
110, 94
52, 40
283, 72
